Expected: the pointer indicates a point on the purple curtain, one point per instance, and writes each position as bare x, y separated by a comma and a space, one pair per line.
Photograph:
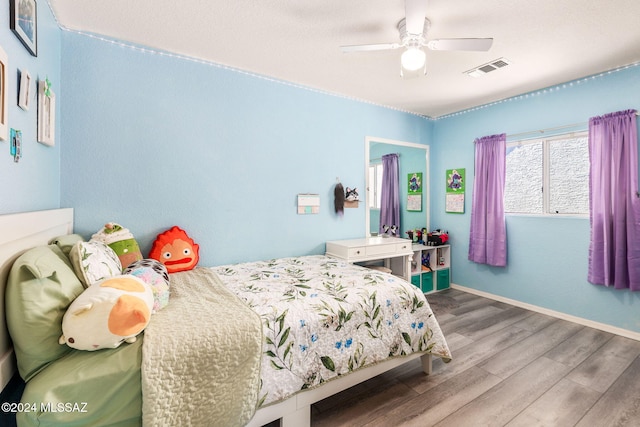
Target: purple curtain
390, 203
488, 236
614, 207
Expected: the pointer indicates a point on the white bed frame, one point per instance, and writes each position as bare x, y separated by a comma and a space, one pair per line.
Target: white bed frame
296, 410
22, 231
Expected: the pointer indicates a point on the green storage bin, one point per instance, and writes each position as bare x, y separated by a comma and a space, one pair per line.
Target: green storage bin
427, 281
443, 279
415, 280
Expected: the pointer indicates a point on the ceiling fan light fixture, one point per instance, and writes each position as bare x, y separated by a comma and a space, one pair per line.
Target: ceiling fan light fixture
413, 58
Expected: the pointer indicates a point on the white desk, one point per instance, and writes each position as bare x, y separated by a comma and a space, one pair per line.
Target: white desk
395, 252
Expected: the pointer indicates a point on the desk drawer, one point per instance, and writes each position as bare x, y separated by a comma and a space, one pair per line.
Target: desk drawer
403, 247
382, 249
356, 252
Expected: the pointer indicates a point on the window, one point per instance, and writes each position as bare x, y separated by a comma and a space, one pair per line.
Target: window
375, 185
548, 176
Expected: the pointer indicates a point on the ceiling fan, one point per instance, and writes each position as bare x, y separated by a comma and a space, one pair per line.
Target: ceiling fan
413, 37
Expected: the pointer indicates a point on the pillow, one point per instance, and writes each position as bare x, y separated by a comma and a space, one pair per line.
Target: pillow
66, 242
94, 261
176, 250
107, 314
153, 273
121, 241
40, 287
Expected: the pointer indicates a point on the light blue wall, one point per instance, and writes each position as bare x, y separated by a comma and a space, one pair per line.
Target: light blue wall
153, 141
34, 182
547, 258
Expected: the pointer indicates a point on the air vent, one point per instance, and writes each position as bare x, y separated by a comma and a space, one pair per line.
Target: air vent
487, 68
500, 63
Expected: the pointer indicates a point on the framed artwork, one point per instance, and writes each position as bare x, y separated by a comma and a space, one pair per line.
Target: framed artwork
455, 190
414, 192
456, 180
24, 95
308, 204
414, 181
16, 145
4, 107
46, 113
23, 22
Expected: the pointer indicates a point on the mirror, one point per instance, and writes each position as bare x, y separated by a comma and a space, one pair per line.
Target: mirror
413, 158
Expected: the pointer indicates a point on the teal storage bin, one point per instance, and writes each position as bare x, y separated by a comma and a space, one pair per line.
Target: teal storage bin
427, 281
415, 280
443, 279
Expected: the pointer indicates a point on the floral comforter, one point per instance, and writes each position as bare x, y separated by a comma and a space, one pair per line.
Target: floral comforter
323, 317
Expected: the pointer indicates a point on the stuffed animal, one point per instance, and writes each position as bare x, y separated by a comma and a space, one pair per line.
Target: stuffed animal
176, 250
153, 273
389, 230
351, 195
426, 261
437, 238
107, 313
121, 241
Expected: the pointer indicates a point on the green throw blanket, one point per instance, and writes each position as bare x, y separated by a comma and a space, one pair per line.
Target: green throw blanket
201, 356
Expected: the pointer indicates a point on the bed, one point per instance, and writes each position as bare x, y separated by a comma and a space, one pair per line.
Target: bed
240, 344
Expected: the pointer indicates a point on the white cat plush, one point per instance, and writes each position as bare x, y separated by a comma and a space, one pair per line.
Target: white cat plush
108, 313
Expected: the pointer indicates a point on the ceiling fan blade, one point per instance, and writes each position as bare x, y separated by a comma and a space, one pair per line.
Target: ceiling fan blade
461, 44
369, 47
415, 13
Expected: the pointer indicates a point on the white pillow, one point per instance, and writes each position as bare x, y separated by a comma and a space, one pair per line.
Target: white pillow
94, 261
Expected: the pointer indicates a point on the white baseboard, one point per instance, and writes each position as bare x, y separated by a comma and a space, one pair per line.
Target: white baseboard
564, 316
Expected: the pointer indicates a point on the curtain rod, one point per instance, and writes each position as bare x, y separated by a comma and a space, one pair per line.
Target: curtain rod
542, 131
380, 158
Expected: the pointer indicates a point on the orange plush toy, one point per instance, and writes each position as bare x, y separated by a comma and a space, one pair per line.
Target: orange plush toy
176, 250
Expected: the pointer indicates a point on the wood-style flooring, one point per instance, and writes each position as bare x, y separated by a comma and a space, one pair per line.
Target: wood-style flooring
510, 367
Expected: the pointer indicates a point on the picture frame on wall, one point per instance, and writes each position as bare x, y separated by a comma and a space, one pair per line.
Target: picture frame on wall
24, 94
4, 93
46, 113
24, 23
414, 192
456, 181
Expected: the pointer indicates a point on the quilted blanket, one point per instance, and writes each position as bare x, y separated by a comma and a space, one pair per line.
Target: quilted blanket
201, 356
323, 318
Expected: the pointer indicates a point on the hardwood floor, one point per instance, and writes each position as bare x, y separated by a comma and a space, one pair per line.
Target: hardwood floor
511, 367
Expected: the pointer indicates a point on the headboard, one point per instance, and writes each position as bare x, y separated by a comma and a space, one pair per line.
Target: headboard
19, 232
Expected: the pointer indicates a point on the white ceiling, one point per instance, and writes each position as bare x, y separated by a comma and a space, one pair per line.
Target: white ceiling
548, 42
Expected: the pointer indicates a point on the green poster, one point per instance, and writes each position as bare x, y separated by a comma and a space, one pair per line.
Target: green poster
414, 181
414, 192
455, 180
455, 191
